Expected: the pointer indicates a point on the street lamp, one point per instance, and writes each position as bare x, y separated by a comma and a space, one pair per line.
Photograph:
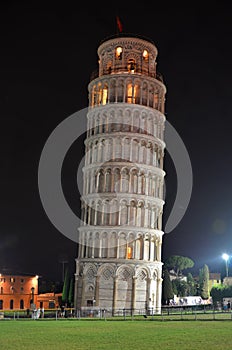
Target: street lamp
226, 258
32, 295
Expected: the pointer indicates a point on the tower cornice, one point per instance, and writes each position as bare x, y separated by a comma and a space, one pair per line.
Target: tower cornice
120, 196
142, 167
122, 229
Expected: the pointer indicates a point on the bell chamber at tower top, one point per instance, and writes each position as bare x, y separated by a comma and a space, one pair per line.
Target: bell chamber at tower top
127, 74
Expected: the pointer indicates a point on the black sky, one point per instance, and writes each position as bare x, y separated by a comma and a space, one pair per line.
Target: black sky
47, 56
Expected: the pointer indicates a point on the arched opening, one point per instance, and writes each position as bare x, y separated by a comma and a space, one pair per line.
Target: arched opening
145, 55
21, 304
130, 246
113, 245
120, 91
132, 93
97, 246
112, 91
123, 213
94, 96
118, 53
144, 94
146, 250
104, 93
122, 246
108, 180
90, 246
104, 246
131, 65
138, 248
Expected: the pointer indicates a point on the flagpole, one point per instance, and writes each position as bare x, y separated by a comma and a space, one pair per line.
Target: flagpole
119, 25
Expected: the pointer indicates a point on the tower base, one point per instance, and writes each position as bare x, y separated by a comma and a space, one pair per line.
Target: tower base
118, 285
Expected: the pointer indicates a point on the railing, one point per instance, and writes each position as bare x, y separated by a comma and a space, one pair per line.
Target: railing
124, 69
127, 35
188, 313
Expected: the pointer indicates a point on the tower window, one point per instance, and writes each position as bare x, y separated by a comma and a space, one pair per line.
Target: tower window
104, 95
118, 53
129, 252
132, 93
145, 55
131, 66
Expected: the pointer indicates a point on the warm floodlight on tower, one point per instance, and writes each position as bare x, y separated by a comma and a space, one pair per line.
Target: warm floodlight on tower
119, 254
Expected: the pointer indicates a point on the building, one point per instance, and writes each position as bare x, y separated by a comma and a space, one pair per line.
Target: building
49, 300
214, 279
227, 281
21, 292
18, 292
119, 255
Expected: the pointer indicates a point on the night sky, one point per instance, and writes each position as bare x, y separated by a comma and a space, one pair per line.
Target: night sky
47, 57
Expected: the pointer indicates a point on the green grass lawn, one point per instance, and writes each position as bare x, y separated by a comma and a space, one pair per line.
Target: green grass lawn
114, 335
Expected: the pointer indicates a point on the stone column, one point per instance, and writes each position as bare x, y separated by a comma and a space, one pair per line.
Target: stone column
117, 242
85, 213
82, 245
95, 213
145, 215
155, 251
161, 190
152, 217
151, 252
158, 250
79, 249
115, 294
76, 293
131, 148
147, 185
97, 183
158, 295
134, 284
97, 291
83, 292
148, 296
160, 221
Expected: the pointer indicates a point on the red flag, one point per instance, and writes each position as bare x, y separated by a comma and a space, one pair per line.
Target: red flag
119, 24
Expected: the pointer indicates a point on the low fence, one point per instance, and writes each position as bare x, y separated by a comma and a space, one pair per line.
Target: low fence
166, 314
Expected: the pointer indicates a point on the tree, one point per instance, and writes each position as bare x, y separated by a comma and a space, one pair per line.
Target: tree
219, 292
167, 292
71, 292
204, 282
180, 287
179, 263
65, 287
192, 290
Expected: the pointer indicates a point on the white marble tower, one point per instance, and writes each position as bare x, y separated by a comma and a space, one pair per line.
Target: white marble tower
119, 256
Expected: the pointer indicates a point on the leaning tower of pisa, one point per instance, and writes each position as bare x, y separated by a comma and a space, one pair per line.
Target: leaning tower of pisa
119, 254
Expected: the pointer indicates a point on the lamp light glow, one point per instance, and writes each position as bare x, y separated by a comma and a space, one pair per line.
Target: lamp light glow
226, 258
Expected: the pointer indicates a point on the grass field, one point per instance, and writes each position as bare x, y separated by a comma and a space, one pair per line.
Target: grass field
115, 335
